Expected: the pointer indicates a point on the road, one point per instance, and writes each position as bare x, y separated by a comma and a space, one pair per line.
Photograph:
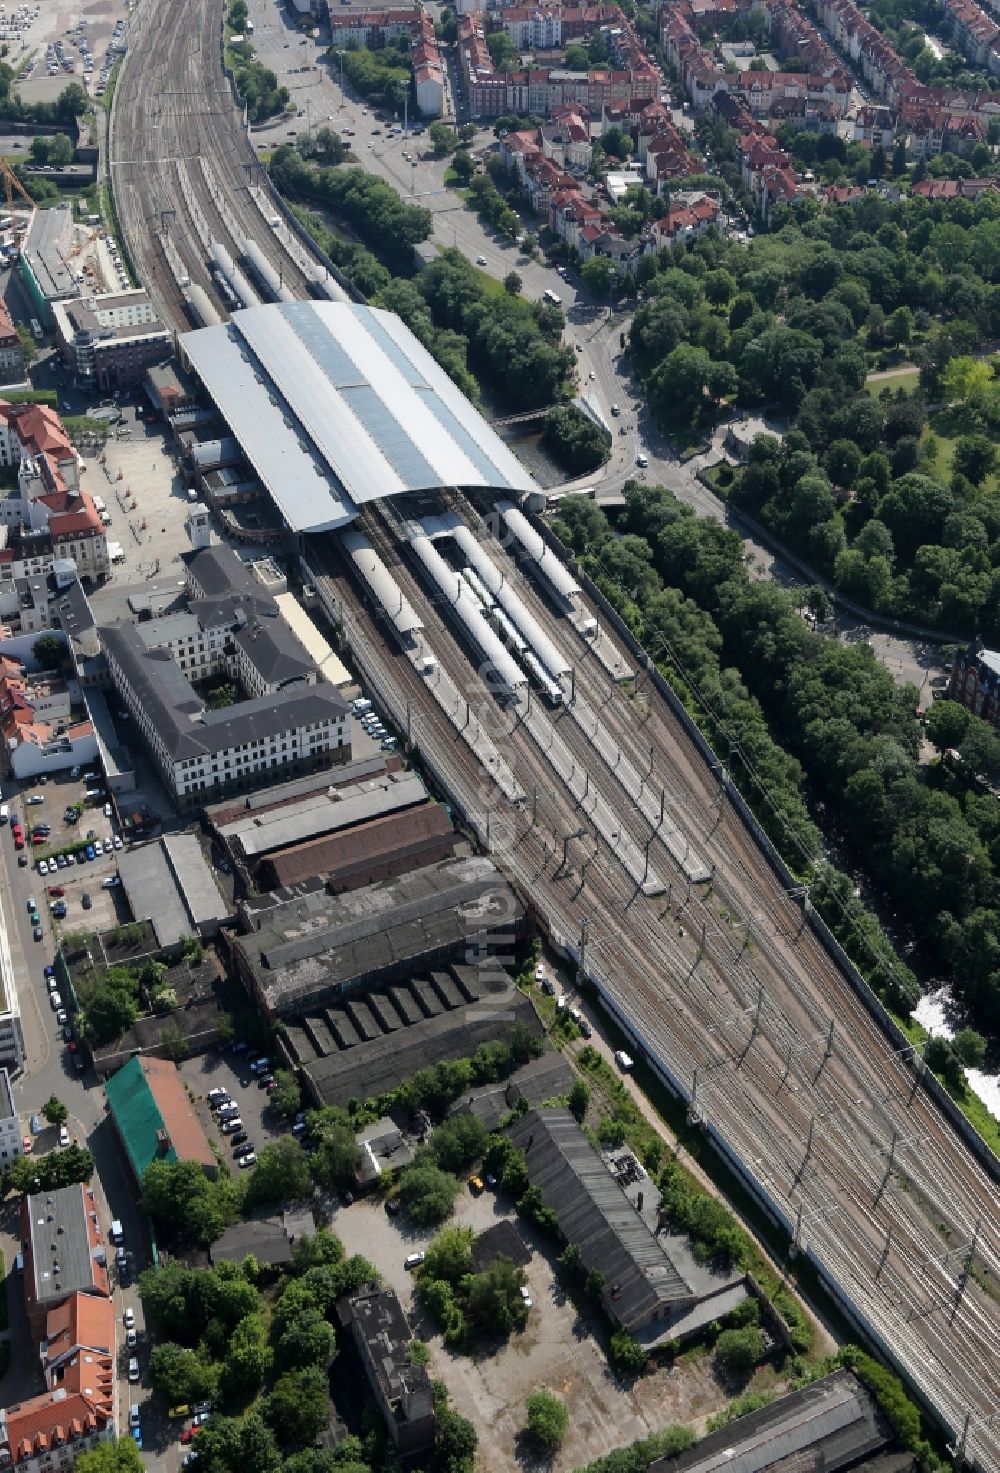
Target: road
48, 1070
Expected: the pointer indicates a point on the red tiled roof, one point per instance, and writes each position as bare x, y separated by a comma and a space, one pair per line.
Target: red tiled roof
54, 1418
167, 1088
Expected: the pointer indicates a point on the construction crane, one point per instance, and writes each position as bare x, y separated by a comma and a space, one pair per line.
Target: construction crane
12, 182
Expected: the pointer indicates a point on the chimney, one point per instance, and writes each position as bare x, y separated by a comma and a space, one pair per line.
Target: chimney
162, 1143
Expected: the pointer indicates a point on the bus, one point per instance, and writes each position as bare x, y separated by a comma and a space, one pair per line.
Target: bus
550, 296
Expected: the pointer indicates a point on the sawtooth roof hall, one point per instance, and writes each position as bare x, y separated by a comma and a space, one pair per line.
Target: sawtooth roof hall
335, 405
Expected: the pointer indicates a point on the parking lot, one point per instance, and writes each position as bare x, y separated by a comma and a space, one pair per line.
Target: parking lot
59, 797
231, 1072
559, 1349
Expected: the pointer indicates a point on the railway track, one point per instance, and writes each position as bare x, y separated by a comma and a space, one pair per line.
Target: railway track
844, 1145
732, 994
178, 149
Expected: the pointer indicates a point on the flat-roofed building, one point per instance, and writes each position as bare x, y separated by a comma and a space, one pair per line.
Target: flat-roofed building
109, 341
66, 1251
320, 946
10, 1126
403, 1390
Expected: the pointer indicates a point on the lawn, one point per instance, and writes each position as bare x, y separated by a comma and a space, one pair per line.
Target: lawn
909, 382
940, 463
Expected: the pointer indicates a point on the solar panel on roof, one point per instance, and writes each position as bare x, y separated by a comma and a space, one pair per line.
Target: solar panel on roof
394, 351
338, 366
389, 434
492, 474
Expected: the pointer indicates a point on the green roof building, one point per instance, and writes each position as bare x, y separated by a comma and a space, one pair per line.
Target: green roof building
154, 1117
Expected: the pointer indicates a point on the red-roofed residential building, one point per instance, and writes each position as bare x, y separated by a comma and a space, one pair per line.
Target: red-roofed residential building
78, 1352
46, 1434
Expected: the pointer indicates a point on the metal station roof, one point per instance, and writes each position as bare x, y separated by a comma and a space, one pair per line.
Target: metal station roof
346, 394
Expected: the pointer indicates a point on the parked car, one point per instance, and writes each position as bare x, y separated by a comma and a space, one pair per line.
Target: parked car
239, 1139
128, 1319
413, 1260
217, 1096
246, 1161
133, 1368
63, 1136
245, 1149
86, 901
232, 1125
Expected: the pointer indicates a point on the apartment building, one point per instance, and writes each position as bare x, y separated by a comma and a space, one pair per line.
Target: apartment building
47, 1433
109, 341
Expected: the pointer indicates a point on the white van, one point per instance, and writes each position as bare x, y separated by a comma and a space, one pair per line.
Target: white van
117, 1231
361, 706
4, 813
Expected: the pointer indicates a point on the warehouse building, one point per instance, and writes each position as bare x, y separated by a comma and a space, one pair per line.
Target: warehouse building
380, 849
644, 1290
304, 951
335, 405
169, 883
42, 261
833, 1424
154, 1117
371, 1041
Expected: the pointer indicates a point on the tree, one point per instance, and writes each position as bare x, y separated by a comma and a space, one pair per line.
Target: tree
600, 277
975, 458
185, 1204
576, 58
282, 1174
739, 1350
947, 723
299, 1406
119, 1456
494, 1297
427, 1193
55, 1111
579, 1099
179, 1374
449, 1255
463, 165
455, 1442
627, 1354
336, 1158
576, 441
286, 1097
548, 1420
503, 52
248, 1360
29, 349
512, 284
970, 1047
61, 150
443, 139
307, 1341
53, 1170
50, 651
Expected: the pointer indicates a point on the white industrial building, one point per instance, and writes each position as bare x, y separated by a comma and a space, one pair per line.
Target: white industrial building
335, 405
